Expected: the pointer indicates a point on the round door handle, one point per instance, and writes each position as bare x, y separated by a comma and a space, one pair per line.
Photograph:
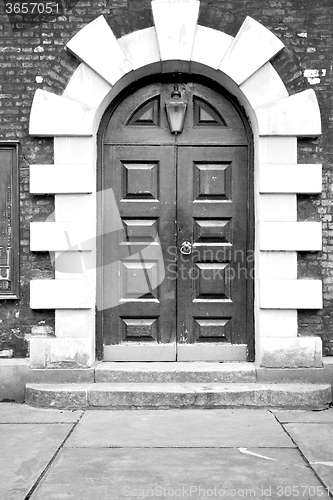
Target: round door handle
186, 248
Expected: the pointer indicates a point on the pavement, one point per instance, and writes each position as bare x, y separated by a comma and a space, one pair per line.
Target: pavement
167, 454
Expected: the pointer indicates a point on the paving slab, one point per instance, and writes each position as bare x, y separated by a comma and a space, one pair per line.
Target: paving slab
11, 413
316, 443
26, 450
323, 416
178, 428
178, 473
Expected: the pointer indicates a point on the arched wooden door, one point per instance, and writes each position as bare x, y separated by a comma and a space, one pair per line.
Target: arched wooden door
176, 255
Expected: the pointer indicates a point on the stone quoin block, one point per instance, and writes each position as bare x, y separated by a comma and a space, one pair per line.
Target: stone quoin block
291, 294
278, 323
278, 207
74, 323
300, 352
278, 265
75, 207
52, 179
301, 236
277, 150
53, 115
301, 178
61, 236
60, 294
77, 351
74, 150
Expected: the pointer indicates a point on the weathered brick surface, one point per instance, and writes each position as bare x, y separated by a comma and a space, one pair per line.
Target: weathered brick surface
37, 49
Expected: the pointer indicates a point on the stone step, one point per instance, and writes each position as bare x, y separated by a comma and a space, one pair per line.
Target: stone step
178, 395
158, 372
202, 372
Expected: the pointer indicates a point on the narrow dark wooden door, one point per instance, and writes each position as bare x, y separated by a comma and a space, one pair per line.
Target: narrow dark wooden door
176, 274
139, 292
212, 273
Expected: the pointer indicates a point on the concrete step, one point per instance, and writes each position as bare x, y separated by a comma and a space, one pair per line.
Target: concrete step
178, 395
194, 372
201, 372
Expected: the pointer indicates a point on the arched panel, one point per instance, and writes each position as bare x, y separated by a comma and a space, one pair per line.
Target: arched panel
142, 118
204, 115
148, 114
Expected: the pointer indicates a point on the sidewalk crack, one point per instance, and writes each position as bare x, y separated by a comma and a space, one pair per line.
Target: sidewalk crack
50, 463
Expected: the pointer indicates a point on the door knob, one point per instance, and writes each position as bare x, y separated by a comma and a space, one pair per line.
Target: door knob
186, 248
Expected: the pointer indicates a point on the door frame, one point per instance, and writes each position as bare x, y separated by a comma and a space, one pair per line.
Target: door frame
179, 77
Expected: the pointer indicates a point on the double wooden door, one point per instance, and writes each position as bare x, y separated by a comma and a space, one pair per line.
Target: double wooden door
177, 273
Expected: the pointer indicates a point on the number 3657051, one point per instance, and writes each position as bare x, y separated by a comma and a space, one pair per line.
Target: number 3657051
32, 8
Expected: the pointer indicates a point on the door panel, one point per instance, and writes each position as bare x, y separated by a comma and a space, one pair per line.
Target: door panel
212, 215
141, 298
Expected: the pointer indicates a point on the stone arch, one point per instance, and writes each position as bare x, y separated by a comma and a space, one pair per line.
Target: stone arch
241, 64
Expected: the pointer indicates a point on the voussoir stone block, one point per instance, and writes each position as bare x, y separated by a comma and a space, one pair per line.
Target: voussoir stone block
210, 46
296, 115
141, 47
253, 46
53, 115
175, 22
97, 47
87, 87
263, 87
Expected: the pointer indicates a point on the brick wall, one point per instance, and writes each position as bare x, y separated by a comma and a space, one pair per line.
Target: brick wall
32, 56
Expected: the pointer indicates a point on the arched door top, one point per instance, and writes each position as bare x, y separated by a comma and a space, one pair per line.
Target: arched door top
143, 118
